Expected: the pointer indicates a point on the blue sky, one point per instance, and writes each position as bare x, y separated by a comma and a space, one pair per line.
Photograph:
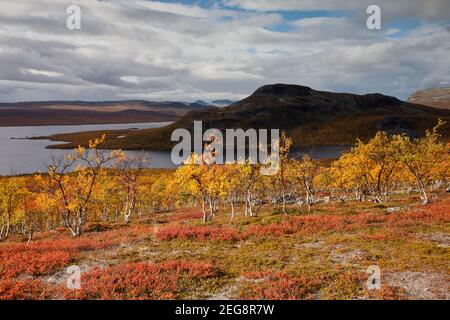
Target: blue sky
404, 23
219, 49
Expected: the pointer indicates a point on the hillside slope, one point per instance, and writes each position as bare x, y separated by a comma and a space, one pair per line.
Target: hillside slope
311, 117
434, 97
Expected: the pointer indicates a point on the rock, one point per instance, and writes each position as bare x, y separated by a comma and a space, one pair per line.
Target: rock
420, 285
347, 257
315, 245
393, 209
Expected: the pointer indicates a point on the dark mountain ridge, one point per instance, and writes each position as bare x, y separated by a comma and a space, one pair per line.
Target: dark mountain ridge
309, 116
292, 106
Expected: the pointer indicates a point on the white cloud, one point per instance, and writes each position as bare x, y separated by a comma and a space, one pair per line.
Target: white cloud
180, 9
50, 74
423, 9
170, 51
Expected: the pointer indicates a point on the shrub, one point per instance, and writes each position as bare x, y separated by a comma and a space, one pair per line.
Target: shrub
386, 293
186, 232
312, 224
42, 257
48, 256
141, 280
268, 285
25, 289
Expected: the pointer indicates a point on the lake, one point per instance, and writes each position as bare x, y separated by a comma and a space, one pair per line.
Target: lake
18, 155
21, 156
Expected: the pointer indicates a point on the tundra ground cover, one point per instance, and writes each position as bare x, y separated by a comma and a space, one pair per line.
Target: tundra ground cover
310, 224
22, 264
142, 280
323, 254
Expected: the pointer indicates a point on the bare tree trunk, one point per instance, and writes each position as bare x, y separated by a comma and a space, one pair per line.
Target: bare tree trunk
1, 231
309, 196
105, 213
308, 203
77, 231
248, 208
74, 224
232, 210
424, 196
73, 231
212, 207
205, 217
8, 224
283, 195
129, 204
377, 199
30, 236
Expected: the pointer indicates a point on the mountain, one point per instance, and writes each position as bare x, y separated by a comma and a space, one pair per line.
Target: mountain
434, 97
83, 112
310, 117
222, 103
318, 117
202, 103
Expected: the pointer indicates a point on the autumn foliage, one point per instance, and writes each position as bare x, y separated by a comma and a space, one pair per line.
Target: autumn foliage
26, 289
306, 225
142, 280
268, 285
162, 234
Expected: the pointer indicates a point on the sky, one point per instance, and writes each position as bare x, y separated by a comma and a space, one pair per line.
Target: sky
219, 49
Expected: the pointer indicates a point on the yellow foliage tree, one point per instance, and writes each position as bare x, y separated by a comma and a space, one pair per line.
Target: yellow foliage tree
75, 190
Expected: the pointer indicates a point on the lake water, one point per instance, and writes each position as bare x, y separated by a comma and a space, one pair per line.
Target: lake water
321, 152
20, 156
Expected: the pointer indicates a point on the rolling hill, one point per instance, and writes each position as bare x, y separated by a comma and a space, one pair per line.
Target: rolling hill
434, 97
310, 117
82, 112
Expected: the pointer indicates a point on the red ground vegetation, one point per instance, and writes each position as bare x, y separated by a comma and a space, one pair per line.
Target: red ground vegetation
267, 285
26, 289
310, 224
20, 263
189, 232
141, 280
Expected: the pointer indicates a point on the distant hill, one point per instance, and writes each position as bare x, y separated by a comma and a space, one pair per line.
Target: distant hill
82, 112
201, 103
310, 117
434, 97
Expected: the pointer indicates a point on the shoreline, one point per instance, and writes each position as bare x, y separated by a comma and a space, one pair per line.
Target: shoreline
81, 124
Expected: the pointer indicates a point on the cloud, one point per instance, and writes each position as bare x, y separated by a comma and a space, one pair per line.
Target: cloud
174, 51
424, 10
180, 9
50, 74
